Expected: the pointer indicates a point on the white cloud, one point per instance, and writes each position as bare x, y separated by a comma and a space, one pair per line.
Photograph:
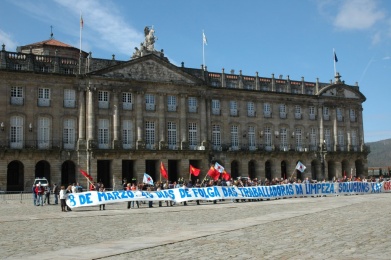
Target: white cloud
5, 38
358, 14
106, 25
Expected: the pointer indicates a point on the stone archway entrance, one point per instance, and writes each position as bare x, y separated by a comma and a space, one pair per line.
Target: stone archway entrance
15, 176
42, 170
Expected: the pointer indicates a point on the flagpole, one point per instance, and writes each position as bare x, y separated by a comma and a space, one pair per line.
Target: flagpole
203, 49
335, 66
81, 28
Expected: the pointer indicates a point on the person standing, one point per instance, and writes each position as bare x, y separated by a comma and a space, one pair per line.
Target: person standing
34, 194
149, 190
47, 195
134, 189
125, 185
63, 196
39, 191
56, 191
68, 191
102, 189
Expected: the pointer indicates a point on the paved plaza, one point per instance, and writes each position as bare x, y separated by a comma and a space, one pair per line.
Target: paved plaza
341, 227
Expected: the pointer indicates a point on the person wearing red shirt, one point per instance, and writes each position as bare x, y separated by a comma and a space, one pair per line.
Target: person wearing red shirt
39, 191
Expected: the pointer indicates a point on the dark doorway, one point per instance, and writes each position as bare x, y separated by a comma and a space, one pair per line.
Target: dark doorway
359, 171
104, 173
283, 170
173, 171
15, 176
68, 175
313, 170
235, 170
128, 171
150, 169
42, 169
251, 169
268, 170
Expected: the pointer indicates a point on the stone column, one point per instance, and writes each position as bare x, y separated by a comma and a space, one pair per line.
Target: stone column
90, 116
183, 121
338, 169
116, 174
335, 128
360, 127
349, 141
275, 168
288, 84
260, 169
162, 122
273, 83
204, 120
223, 83
139, 120
82, 115
321, 134
3, 63
257, 85
116, 122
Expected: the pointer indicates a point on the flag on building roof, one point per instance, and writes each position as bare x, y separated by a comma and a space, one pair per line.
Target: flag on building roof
194, 171
147, 179
81, 22
335, 57
163, 171
301, 167
204, 40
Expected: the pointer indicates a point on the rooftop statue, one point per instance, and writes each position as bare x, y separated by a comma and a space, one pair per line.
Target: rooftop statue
148, 46
149, 38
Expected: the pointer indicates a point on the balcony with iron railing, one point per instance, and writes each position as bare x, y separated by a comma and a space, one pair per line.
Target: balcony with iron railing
33, 144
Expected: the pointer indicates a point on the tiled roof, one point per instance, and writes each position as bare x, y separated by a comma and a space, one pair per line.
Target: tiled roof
51, 42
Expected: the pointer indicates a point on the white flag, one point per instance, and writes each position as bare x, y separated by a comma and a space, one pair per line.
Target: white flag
147, 179
301, 167
219, 168
204, 39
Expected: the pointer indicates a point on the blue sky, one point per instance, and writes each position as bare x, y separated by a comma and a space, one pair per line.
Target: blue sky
283, 37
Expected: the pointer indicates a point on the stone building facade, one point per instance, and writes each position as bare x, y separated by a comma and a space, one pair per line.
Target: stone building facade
64, 111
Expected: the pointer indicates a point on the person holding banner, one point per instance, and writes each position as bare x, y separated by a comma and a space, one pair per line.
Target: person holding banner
63, 197
149, 190
134, 189
102, 189
68, 191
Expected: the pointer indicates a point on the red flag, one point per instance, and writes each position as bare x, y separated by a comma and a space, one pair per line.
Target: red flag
213, 173
163, 171
226, 176
86, 175
194, 171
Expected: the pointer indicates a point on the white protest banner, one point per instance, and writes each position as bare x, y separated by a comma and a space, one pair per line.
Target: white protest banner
93, 198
